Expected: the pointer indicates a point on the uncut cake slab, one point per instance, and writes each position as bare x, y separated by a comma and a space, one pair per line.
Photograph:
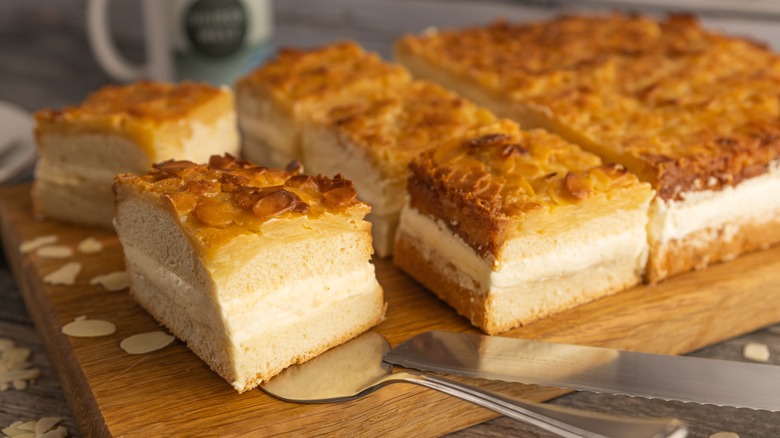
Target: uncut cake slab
691, 111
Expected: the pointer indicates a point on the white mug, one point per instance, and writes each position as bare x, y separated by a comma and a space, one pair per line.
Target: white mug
208, 40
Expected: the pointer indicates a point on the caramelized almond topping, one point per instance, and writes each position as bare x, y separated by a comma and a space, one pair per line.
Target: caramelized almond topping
576, 185
303, 182
232, 192
214, 213
487, 140
681, 104
340, 196
504, 170
275, 203
513, 150
183, 202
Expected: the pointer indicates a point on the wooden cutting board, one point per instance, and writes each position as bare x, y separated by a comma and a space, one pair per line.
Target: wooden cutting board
171, 392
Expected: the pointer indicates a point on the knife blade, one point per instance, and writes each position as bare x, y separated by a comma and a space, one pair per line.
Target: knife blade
594, 369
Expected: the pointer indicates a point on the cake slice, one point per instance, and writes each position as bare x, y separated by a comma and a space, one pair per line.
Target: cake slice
273, 99
510, 226
124, 129
372, 137
255, 269
693, 112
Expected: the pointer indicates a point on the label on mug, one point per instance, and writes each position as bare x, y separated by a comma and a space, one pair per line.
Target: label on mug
219, 40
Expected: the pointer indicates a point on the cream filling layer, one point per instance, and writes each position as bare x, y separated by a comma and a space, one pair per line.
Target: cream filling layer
243, 317
563, 257
756, 199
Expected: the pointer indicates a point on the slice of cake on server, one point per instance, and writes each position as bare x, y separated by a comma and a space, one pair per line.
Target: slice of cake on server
509, 226
372, 137
124, 129
693, 112
273, 99
255, 269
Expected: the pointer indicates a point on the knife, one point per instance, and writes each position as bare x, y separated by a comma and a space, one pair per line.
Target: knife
595, 369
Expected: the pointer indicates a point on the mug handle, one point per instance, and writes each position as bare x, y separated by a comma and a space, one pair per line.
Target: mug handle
103, 45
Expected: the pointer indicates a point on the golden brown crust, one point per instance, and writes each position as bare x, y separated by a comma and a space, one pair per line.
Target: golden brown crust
393, 125
238, 196
684, 108
709, 246
150, 101
487, 182
155, 116
295, 75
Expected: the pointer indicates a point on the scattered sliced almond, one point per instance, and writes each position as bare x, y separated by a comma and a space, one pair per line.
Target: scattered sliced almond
756, 352
65, 275
42, 428
724, 435
90, 245
146, 342
15, 357
113, 281
33, 244
17, 378
45, 424
54, 252
5, 344
59, 432
28, 425
12, 430
88, 328
15, 371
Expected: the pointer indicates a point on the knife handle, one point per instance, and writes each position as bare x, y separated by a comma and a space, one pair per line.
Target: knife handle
566, 422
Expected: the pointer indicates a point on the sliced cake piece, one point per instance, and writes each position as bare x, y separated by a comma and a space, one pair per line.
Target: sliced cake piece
124, 129
693, 112
509, 226
255, 269
273, 99
372, 137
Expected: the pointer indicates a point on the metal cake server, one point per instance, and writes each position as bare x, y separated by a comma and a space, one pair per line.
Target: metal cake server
687, 379
356, 368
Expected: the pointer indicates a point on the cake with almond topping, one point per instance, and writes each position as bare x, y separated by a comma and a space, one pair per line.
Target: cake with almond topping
693, 112
121, 129
372, 137
273, 100
254, 268
510, 226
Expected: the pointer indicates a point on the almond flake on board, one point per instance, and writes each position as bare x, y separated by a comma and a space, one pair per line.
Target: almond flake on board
15, 370
113, 281
54, 252
65, 275
146, 342
724, 435
42, 428
88, 328
35, 243
90, 245
756, 352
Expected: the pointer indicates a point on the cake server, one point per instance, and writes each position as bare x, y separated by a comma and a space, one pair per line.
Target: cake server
355, 369
595, 369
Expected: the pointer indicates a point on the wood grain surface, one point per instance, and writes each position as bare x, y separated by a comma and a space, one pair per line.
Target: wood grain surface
172, 392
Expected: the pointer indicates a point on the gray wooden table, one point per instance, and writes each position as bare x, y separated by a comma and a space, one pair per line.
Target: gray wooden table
45, 61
